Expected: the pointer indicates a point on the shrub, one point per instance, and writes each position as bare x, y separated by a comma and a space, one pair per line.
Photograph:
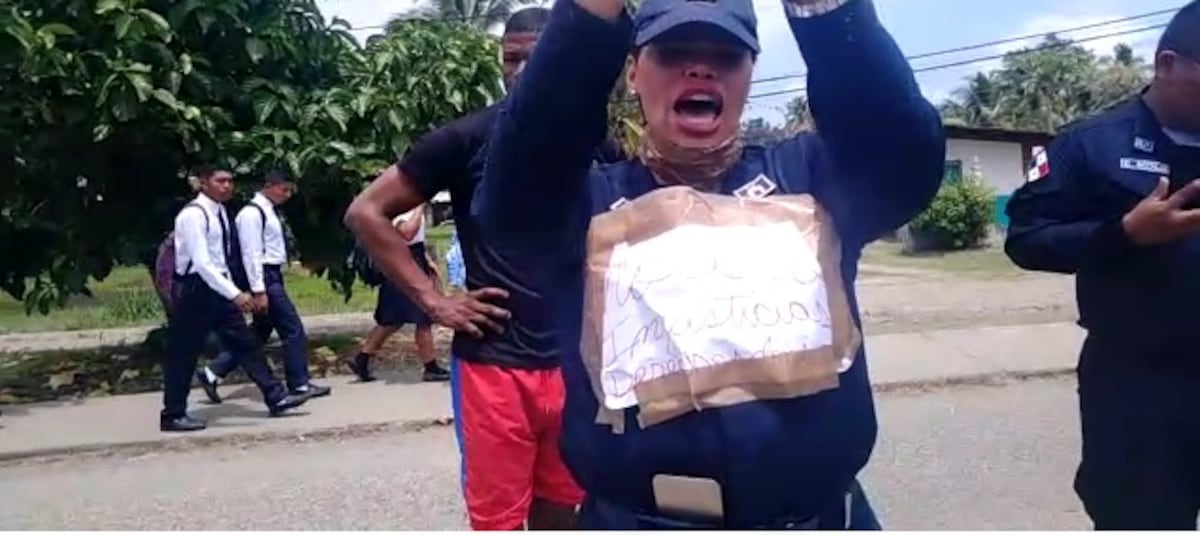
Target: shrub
959, 217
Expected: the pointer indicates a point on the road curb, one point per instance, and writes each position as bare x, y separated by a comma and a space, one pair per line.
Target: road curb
999, 378
175, 443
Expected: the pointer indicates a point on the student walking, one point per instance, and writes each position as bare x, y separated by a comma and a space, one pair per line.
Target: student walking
205, 300
393, 309
264, 255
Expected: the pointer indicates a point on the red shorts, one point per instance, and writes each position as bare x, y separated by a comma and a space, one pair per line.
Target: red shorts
508, 422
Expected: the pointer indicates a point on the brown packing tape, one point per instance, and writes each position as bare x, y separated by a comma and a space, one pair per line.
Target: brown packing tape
781, 376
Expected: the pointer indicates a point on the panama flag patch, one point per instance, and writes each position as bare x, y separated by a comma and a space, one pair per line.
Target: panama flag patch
1041, 165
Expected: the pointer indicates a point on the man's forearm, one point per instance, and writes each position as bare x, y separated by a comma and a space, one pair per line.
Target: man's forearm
250, 232
1069, 247
217, 281
253, 264
547, 130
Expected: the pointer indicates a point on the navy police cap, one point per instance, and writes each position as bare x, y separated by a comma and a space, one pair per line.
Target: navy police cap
656, 17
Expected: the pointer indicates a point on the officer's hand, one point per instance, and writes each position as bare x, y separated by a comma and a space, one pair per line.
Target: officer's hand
244, 302
260, 303
1160, 217
467, 312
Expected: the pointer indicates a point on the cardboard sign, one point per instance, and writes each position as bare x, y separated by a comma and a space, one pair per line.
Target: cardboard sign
695, 300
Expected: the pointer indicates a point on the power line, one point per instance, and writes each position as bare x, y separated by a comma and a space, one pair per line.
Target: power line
924, 55
998, 42
988, 58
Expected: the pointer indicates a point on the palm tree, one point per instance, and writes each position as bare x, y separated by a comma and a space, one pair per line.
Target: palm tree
975, 104
1121, 76
482, 14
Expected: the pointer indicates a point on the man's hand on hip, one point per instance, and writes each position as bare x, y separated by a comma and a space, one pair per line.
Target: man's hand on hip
467, 312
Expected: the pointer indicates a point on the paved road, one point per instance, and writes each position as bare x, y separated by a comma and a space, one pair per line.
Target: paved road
967, 458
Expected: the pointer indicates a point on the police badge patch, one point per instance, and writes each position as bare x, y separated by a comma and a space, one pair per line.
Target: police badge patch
1143, 144
758, 188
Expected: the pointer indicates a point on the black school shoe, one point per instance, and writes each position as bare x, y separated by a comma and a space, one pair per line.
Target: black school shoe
287, 403
181, 424
361, 366
313, 390
209, 387
434, 373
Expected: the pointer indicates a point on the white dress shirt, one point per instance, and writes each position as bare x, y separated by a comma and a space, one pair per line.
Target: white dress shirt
205, 250
419, 236
261, 244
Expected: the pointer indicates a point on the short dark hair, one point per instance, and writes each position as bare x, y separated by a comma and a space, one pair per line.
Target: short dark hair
528, 20
276, 176
1182, 35
206, 171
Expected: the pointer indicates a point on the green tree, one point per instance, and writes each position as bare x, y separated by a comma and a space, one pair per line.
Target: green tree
625, 121
798, 115
106, 103
758, 131
1121, 75
974, 104
1047, 87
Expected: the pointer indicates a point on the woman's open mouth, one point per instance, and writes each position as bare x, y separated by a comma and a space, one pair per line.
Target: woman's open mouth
699, 111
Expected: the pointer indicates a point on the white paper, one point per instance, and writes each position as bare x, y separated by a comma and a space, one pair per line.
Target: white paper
696, 296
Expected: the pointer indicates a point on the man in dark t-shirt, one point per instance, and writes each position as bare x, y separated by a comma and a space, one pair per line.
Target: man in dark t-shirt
508, 391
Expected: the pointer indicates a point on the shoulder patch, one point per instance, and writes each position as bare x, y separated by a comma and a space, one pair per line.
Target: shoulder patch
1040, 167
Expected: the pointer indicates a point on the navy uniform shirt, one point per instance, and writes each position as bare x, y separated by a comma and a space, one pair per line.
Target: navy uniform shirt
876, 162
445, 159
1139, 302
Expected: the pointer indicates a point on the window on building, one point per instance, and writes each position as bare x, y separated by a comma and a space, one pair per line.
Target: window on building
954, 171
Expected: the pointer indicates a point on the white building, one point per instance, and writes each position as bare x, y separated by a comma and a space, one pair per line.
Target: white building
1000, 156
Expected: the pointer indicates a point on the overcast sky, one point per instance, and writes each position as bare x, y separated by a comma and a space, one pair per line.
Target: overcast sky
919, 26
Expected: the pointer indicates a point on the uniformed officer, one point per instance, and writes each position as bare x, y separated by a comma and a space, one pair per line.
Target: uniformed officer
263, 250
206, 299
1113, 200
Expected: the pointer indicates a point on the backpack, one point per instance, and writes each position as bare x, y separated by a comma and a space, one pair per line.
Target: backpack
361, 263
164, 265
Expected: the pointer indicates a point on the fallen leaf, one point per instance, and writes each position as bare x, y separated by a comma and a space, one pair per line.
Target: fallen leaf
61, 379
102, 390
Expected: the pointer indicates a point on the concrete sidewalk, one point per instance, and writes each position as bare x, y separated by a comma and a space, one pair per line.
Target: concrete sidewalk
130, 422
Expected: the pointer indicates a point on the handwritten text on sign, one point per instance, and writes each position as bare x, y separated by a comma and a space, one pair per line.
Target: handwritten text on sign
697, 296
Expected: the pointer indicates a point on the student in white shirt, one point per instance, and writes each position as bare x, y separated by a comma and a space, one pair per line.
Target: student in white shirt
264, 253
393, 309
207, 300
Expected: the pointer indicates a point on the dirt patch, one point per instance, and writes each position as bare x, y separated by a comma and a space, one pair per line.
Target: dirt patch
59, 375
921, 303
